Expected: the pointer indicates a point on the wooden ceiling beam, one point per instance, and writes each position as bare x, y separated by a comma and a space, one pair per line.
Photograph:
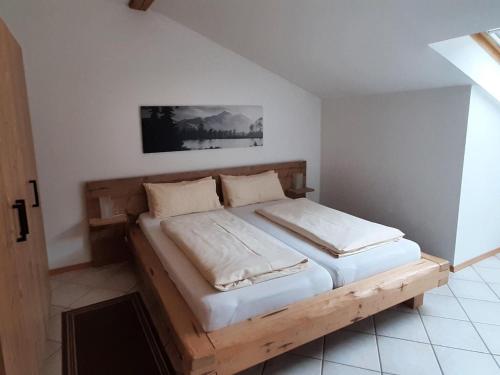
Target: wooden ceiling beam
140, 4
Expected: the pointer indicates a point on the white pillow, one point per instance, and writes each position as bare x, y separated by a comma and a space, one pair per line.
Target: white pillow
228, 177
244, 190
180, 198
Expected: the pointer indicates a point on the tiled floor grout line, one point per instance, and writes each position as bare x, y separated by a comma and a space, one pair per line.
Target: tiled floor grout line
95, 287
491, 268
90, 290
474, 323
66, 282
59, 344
91, 287
323, 355
472, 299
361, 368
53, 354
422, 342
300, 355
489, 351
91, 270
475, 328
460, 320
59, 306
481, 281
487, 284
430, 342
376, 341
344, 364
454, 347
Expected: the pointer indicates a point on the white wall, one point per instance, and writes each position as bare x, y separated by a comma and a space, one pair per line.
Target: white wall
479, 215
397, 159
90, 65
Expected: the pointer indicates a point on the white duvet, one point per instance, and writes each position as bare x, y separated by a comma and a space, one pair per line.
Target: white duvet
340, 233
229, 252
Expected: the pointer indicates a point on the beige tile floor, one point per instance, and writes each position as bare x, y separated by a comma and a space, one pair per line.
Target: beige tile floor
80, 288
456, 332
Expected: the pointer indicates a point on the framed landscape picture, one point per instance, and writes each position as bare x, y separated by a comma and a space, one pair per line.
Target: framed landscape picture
184, 128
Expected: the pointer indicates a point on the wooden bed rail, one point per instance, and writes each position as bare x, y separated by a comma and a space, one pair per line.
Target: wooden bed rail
242, 345
188, 346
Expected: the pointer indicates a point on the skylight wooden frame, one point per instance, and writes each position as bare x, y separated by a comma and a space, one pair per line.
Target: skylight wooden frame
488, 44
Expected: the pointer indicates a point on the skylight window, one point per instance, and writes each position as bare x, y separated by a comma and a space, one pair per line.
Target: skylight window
495, 36
490, 41
478, 56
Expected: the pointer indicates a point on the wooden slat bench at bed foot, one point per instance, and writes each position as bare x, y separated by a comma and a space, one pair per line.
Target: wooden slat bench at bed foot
240, 346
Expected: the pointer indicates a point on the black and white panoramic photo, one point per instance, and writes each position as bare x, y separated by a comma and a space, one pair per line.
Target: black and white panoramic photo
183, 128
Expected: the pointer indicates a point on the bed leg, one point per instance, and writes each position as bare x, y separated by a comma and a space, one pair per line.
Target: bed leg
415, 302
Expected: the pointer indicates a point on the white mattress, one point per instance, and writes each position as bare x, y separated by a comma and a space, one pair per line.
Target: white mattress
343, 270
215, 309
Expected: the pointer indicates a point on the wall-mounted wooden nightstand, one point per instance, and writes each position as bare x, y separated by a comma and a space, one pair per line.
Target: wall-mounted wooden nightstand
108, 242
298, 193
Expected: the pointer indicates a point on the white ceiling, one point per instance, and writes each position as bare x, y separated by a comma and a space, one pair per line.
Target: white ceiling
341, 47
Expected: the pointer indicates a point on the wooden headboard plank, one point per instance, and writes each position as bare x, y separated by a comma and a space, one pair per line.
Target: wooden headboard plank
129, 197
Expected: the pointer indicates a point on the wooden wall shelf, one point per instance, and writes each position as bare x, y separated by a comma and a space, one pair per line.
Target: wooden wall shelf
298, 193
102, 222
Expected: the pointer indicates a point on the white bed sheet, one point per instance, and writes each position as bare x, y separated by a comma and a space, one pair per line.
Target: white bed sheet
343, 270
215, 309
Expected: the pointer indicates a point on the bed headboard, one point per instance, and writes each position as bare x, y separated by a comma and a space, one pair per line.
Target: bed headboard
129, 197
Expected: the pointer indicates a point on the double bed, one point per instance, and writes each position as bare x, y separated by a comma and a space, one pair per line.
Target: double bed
206, 331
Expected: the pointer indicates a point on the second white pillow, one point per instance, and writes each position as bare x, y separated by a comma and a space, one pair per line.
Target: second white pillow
244, 190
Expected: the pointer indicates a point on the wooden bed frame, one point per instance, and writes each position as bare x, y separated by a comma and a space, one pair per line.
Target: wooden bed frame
242, 345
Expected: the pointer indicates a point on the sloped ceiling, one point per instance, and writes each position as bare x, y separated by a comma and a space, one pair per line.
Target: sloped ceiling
341, 47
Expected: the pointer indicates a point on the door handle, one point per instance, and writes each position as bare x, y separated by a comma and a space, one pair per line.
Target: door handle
20, 206
35, 192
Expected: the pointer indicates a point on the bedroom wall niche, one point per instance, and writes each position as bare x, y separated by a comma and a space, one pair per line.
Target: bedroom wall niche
425, 161
397, 159
110, 61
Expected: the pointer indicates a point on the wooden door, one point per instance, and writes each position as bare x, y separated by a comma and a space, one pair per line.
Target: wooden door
37, 260
23, 265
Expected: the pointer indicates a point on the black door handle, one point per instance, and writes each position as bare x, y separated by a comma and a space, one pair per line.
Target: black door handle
35, 192
20, 206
